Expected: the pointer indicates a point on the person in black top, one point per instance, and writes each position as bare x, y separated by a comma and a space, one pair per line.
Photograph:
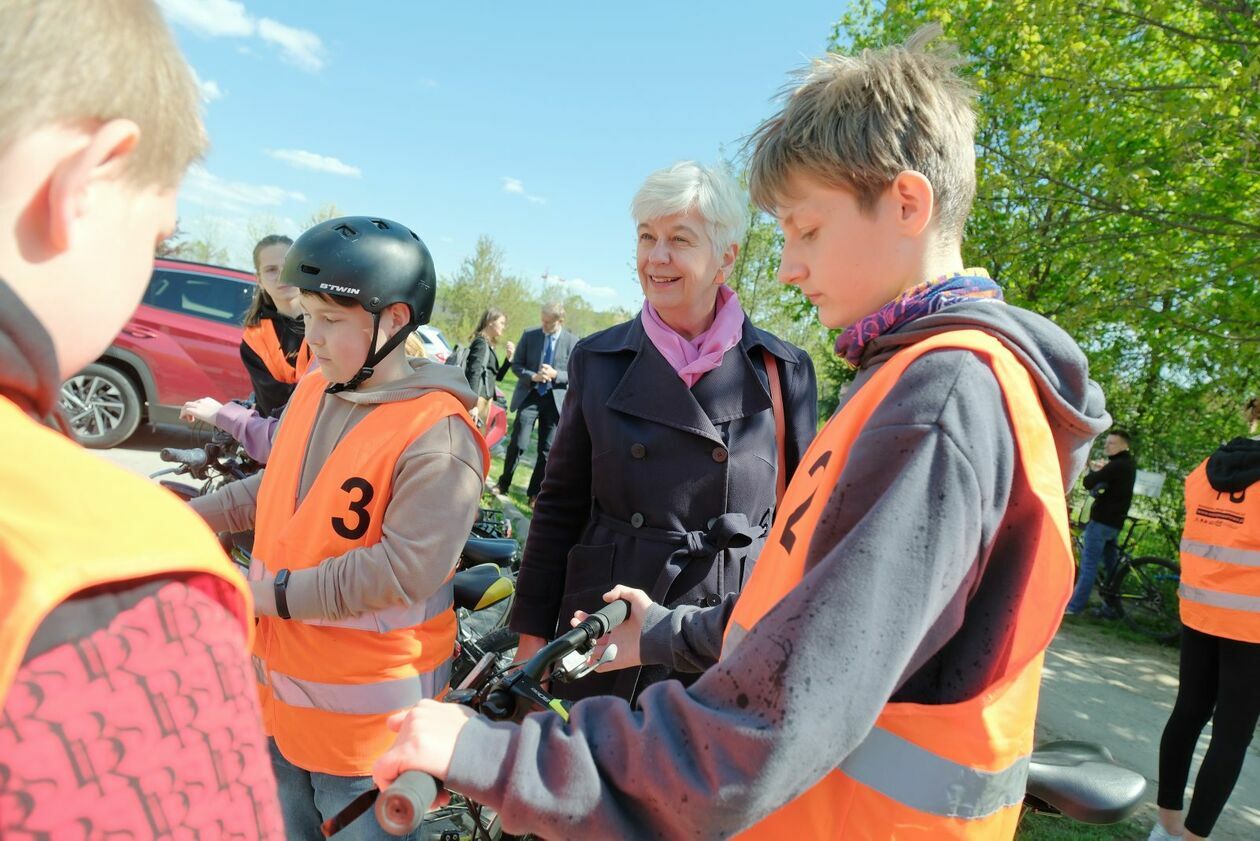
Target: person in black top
277, 310
482, 366
1111, 483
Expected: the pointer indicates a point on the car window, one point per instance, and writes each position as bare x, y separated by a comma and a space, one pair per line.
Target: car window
219, 299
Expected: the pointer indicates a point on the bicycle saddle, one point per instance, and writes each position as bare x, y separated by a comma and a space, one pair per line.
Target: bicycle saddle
1083, 781
489, 550
481, 586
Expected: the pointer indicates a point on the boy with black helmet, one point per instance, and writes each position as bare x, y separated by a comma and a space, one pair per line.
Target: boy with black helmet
367, 498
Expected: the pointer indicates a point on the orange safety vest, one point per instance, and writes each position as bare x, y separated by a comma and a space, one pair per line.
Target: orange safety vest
328, 686
926, 772
70, 521
1220, 560
262, 339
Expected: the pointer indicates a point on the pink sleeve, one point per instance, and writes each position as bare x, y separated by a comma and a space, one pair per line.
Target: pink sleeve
245, 425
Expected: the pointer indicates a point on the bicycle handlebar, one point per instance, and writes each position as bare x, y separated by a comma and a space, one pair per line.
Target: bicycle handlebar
401, 807
193, 458
588, 630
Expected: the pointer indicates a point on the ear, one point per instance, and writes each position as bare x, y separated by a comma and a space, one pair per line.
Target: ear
728, 261
913, 202
395, 318
103, 158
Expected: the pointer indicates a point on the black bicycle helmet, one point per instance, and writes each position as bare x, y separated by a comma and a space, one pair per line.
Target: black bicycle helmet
374, 261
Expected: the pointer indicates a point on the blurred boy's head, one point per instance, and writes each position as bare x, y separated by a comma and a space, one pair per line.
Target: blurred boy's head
870, 168
98, 122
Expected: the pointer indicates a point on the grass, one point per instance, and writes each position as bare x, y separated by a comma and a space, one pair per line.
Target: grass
1056, 828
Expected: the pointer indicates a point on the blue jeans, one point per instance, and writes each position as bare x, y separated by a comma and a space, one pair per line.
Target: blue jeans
308, 798
1099, 544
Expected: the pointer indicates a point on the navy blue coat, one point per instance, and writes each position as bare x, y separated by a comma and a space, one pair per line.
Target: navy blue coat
655, 485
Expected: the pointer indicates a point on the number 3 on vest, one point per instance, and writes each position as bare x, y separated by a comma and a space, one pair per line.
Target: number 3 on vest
358, 507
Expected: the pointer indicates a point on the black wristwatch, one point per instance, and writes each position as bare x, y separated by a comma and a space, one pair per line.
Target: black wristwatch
282, 594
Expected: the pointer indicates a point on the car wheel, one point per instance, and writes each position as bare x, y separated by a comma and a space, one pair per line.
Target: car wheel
101, 405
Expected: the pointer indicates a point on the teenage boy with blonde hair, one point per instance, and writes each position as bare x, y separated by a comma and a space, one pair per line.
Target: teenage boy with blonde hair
878, 675
128, 705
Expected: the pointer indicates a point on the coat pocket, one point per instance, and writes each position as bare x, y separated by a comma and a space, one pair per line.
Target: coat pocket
588, 576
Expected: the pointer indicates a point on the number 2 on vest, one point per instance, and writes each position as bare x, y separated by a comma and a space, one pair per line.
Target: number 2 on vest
358, 507
788, 539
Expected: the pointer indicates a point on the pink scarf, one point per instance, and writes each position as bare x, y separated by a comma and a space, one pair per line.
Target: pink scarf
693, 358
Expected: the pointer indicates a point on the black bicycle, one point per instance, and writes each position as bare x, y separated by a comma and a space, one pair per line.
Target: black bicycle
1140, 591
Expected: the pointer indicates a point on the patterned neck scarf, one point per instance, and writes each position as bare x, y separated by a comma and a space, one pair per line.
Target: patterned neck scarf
926, 298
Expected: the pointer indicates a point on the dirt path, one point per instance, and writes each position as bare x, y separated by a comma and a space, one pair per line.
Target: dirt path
1118, 693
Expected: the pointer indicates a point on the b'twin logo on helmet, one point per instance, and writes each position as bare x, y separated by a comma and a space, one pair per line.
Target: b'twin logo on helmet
338, 290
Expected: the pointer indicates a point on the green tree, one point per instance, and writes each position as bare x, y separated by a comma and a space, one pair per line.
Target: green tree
1117, 152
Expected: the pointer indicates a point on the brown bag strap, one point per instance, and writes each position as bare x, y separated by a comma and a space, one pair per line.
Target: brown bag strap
780, 427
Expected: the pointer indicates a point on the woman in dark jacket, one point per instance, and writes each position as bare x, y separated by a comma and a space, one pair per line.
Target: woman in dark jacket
662, 474
482, 366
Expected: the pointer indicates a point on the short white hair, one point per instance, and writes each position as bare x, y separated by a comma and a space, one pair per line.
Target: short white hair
687, 185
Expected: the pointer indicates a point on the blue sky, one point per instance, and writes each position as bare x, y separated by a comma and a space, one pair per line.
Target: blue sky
533, 123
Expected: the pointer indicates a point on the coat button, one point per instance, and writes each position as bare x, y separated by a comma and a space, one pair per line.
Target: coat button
638, 450
713, 600
636, 519
719, 454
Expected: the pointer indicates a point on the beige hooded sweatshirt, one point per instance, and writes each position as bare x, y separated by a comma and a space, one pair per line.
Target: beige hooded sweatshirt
437, 489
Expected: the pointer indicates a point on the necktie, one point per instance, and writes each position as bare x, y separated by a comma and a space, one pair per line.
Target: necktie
549, 354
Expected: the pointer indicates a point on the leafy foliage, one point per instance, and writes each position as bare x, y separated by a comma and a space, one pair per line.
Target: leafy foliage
482, 281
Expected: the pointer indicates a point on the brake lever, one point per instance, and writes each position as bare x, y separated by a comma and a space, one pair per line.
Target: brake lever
576, 665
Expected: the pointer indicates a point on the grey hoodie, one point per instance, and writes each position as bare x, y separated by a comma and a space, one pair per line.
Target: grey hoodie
926, 526
437, 488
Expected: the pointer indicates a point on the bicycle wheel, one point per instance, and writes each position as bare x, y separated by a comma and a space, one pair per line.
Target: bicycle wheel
1147, 596
501, 641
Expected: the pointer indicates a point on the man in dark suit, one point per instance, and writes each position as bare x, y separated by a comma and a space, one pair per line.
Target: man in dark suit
541, 363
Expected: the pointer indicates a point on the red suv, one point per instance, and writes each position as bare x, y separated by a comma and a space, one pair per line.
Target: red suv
182, 343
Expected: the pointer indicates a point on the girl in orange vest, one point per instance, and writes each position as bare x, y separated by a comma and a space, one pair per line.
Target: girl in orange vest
1220, 643
273, 350
877, 678
359, 517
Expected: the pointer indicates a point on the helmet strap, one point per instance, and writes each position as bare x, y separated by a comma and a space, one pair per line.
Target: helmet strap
374, 356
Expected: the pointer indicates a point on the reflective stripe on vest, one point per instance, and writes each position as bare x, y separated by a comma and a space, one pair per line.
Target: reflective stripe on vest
1215, 598
386, 619
382, 698
393, 618
330, 685
1220, 559
1224, 554
925, 772
936, 785
263, 340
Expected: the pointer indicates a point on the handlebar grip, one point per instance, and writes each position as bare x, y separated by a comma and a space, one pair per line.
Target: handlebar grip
401, 807
192, 458
609, 617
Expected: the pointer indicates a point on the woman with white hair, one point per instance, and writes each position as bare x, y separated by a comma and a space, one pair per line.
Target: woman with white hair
664, 468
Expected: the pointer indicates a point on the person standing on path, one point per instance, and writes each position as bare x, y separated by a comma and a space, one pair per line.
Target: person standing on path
1219, 679
1111, 481
541, 363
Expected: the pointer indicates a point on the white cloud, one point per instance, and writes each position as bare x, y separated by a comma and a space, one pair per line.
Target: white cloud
204, 188
302, 159
580, 286
428, 83
229, 19
212, 18
301, 47
514, 185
